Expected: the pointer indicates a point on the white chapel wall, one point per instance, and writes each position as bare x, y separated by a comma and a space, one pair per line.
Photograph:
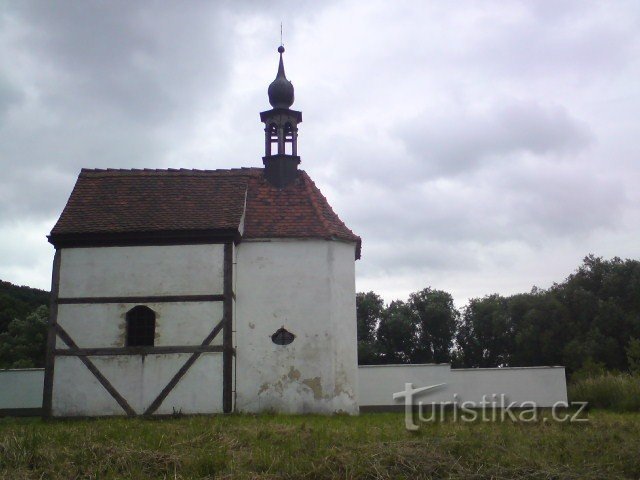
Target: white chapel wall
308, 287
142, 271
139, 379
104, 324
139, 271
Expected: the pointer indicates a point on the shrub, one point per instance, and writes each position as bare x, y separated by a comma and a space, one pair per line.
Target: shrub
615, 391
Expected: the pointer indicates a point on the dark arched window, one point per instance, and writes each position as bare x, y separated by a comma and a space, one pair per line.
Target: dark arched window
141, 327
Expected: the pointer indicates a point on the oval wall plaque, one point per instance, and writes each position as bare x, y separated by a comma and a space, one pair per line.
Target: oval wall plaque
282, 337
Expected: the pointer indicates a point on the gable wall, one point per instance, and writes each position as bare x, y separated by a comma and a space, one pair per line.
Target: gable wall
146, 271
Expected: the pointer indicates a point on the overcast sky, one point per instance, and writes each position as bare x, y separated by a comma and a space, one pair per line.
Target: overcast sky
477, 147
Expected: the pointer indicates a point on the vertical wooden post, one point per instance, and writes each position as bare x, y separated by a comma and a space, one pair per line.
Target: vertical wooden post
281, 140
47, 393
267, 140
227, 331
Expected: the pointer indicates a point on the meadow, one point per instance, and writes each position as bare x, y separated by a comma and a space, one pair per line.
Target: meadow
371, 446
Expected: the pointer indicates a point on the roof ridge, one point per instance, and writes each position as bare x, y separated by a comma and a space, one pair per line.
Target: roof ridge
242, 171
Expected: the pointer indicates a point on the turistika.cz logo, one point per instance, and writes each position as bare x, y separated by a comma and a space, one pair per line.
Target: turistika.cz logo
492, 408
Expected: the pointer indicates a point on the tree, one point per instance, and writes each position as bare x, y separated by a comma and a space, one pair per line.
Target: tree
369, 310
16, 301
23, 345
485, 334
436, 318
541, 326
633, 355
369, 307
397, 333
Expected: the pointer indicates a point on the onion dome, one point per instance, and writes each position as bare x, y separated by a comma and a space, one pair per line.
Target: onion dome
281, 90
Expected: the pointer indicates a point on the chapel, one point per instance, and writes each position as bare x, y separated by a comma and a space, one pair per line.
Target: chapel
204, 291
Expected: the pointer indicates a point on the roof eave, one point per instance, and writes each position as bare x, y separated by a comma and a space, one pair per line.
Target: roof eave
163, 237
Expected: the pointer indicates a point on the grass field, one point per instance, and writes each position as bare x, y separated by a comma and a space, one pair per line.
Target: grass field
315, 447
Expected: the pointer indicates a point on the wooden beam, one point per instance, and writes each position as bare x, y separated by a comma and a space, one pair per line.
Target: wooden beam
227, 333
47, 392
148, 299
129, 239
92, 368
94, 352
180, 373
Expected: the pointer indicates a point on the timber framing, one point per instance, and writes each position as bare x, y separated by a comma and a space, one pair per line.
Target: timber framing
96, 373
153, 238
47, 392
187, 365
224, 326
227, 332
149, 299
100, 352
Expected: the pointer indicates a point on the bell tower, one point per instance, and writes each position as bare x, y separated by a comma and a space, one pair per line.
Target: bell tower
281, 131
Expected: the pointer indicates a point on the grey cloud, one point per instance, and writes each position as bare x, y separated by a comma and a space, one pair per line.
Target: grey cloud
141, 62
10, 95
446, 145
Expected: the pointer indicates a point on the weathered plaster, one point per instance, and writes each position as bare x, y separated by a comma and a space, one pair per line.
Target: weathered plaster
297, 285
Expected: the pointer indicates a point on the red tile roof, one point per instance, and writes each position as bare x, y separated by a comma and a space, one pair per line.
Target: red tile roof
129, 201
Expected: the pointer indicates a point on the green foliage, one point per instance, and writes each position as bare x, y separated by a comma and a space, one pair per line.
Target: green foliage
589, 369
23, 344
485, 336
589, 319
369, 309
633, 355
18, 302
436, 318
397, 333
614, 391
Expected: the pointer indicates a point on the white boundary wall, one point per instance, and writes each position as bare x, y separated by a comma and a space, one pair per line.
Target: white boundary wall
21, 388
544, 386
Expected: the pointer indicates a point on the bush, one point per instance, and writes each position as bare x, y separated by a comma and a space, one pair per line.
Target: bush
615, 391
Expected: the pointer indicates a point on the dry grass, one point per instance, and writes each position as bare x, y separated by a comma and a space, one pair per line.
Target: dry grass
372, 446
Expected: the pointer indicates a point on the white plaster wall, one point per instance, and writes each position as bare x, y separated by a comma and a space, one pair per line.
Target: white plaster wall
543, 385
104, 325
139, 271
142, 271
309, 288
139, 379
21, 388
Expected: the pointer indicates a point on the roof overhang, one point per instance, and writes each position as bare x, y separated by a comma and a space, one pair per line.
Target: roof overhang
266, 115
127, 239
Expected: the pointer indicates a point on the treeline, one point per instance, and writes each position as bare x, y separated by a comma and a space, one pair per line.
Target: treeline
23, 326
589, 321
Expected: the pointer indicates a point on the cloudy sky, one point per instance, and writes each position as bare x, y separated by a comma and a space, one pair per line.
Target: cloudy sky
476, 147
